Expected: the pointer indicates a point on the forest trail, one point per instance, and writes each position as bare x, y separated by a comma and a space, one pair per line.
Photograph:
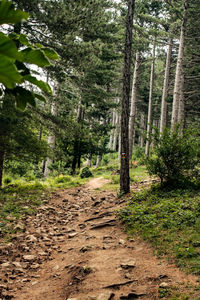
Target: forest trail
76, 248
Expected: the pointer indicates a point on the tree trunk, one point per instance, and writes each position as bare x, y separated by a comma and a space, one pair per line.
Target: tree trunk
163, 116
181, 108
116, 133
110, 146
178, 75
51, 143
150, 100
99, 157
1, 166
89, 160
133, 104
124, 170
142, 128
119, 141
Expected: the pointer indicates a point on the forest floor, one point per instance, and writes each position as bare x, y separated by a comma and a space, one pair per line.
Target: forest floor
75, 247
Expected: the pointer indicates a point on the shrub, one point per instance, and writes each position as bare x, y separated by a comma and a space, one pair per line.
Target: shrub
175, 158
63, 179
85, 173
7, 180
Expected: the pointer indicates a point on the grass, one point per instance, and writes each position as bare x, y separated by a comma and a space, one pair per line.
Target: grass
170, 220
20, 198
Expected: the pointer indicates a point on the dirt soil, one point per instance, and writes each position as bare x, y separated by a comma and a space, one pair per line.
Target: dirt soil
74, 247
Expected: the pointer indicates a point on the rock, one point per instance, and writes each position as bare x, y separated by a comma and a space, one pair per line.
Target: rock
105, 296
85, 248
31, 238
17, 264
29, 257
71, 235
72, 299
34, 282
5, 265
122, 242
164, 285
128, 264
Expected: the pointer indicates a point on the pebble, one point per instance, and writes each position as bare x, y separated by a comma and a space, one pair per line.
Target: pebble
29, 257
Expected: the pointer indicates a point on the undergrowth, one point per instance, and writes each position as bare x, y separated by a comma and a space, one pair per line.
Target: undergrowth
170, 220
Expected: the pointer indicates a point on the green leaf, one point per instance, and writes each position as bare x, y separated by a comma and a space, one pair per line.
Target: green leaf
24, 40
9, 74
40, 97
39, 83
35, 57
24, 96
9, 15
8, 47
50, 53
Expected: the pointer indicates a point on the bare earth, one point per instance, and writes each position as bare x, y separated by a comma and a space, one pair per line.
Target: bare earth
76, 248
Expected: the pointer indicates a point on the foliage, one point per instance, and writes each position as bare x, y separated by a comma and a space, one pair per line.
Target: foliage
85, 173
175, 157
13, 71
169, 219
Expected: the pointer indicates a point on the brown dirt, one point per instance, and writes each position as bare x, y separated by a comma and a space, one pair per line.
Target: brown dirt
80, 251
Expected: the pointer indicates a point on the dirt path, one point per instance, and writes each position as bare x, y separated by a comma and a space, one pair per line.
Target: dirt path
75, 248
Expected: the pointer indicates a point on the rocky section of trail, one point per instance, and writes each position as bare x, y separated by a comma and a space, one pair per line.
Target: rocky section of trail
74, 247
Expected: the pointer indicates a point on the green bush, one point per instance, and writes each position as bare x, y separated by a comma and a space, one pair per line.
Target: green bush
175, 158
7, 180
85, 173
63, 179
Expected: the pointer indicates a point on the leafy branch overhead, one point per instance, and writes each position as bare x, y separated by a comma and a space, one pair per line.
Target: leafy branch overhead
13, 61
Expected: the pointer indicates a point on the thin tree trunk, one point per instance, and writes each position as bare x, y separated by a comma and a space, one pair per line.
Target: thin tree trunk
124, 170
133, 104
116, 133
112, 131
142, 127
1, 166
166, 86
181, 109
178, 75
150, 100
119, 141
51, 143
99, 157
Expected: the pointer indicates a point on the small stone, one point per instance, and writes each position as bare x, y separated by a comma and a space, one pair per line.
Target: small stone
5, 265
34, 282
128, 264
164, 285
121, 242
29, 257
17, 264
32, 238
105, 296
71, 235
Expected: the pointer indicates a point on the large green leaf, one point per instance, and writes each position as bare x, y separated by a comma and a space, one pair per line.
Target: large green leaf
39, 83
9, 15
9, 74
40, 97
24, 96
36, 57
8, 47
50, 53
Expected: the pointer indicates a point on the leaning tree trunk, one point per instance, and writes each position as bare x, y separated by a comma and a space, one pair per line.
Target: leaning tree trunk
116, 132
178, 75
133, 104
150, 100
163, 116
142, 128
110, 145
124, 170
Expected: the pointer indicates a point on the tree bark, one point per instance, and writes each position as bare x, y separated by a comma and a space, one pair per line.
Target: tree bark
181, 108
51, 143
112, 131
99, 157
142, 128
124, 170
1, 166
116, 132
133, 104
179, 71
163, 116
150, 100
